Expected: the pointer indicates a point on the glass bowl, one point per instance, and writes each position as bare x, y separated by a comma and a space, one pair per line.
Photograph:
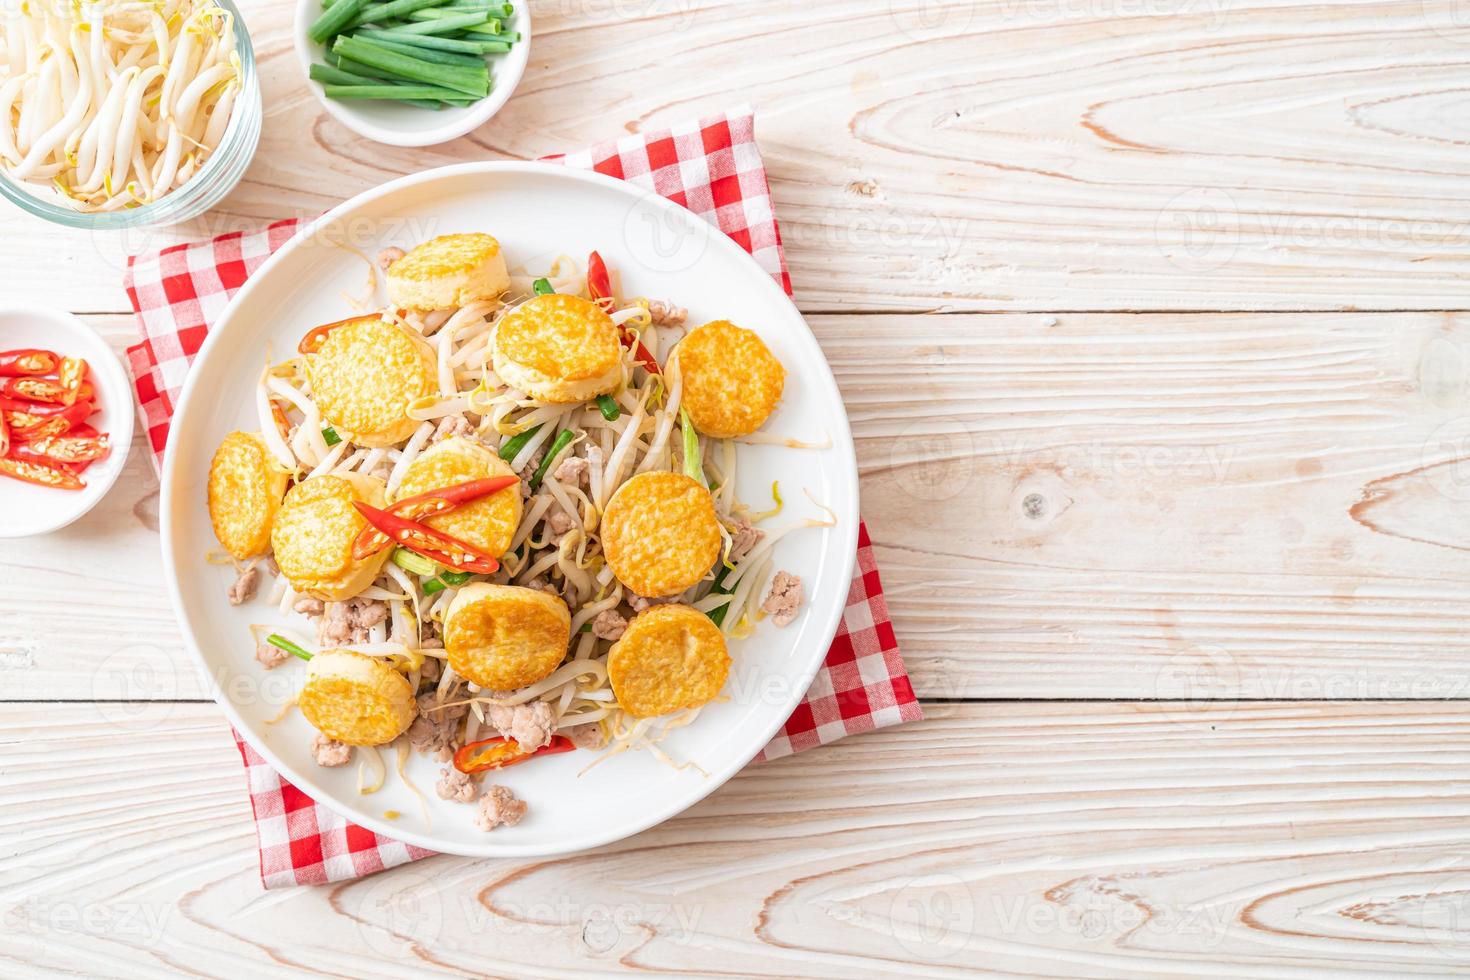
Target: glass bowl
219, 175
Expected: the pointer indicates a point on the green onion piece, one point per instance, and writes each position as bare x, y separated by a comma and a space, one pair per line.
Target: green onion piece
447, 76
414, 562
693, 466
542, 287
437, 43
432, 586
498, 34
608, 407
516, 443
717, 615
454, 578
327, 74
280, 642
388, 90
452, 10
333, 20
329, 433
378, 12
563, 439
446, 25
474, 62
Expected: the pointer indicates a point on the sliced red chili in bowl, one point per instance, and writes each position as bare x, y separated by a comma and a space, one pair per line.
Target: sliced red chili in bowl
27, 361
40, 474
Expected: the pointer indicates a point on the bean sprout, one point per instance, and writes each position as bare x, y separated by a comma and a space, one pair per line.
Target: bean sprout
110, 103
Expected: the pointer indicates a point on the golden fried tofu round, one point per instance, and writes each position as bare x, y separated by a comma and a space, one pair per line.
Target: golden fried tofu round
313, 534
488, 523
365, 375
660, 533
559, 349
245, 490
731, 379
356, 699
670, 657
503, 637
448, 271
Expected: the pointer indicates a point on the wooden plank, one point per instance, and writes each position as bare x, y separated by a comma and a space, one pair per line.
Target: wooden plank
963, 155
1207, 506
1230, 841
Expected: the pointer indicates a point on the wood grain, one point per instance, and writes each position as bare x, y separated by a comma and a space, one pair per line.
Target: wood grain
1138, 506
1101, 840
965, 154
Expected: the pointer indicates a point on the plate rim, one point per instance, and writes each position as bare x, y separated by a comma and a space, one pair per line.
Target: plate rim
119, 385
171, 476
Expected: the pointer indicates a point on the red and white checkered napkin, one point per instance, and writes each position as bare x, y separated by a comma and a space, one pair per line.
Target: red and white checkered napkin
714, 169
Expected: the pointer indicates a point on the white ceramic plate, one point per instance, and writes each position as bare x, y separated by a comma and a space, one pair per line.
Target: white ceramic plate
27, 509
406, 125
660, 250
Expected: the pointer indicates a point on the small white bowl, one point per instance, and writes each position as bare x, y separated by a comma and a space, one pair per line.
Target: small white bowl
406, 125
25, 508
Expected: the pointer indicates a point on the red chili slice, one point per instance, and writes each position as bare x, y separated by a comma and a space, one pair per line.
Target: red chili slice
4, 435
27, 361
428, 542
28, 426
316, 336
498, 753
71, 375
371, 541
599, 287
40, 474
70, 448
42, 390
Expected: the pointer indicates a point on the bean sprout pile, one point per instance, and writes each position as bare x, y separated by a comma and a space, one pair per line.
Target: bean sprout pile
556, 546
114, 103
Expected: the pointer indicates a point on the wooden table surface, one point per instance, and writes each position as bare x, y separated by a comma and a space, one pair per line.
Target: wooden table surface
1151, 319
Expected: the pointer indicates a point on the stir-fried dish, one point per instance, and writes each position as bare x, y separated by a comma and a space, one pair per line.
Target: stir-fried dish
506, 509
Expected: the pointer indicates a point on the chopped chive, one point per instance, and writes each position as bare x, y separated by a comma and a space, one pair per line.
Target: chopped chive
329, 433
455, 578
608, 407
432, 586
447, 25
437, 43
563, 439
448, 76
280, 642
333, 20
439, 13
473, 61
412, 561
542, 287
517, 442
693, 465
388, 90
376, 13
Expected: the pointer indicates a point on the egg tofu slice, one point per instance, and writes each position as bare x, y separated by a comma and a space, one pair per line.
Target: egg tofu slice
490, 522
365, 375
670, 657
448, 271
559, 349
731, 379
356, 699
313, 534
503, 637
660, 533
245, 488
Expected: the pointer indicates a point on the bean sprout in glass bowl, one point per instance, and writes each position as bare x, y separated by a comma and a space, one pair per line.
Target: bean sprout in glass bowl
216, 178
